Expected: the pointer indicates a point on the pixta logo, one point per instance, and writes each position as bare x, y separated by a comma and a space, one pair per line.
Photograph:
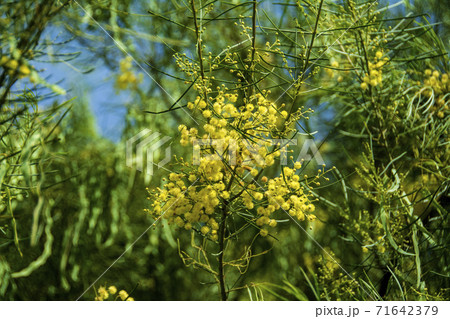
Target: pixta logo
144, 147
225, 149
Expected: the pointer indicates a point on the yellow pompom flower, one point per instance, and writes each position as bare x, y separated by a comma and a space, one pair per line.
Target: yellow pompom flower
12, 64
127, 78
207, 113
24, 70
202, 104
123, 294
112, 290
3, 60
204, 230
102, 293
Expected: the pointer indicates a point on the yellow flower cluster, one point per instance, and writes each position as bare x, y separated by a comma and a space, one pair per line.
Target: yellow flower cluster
341, 286
226, 178
435, 86
439, 82
331, 72
18, 66
14, 66
103, 293
285, 193
375, 75
127, 79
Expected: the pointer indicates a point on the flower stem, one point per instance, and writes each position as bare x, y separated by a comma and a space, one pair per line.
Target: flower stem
223, 293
